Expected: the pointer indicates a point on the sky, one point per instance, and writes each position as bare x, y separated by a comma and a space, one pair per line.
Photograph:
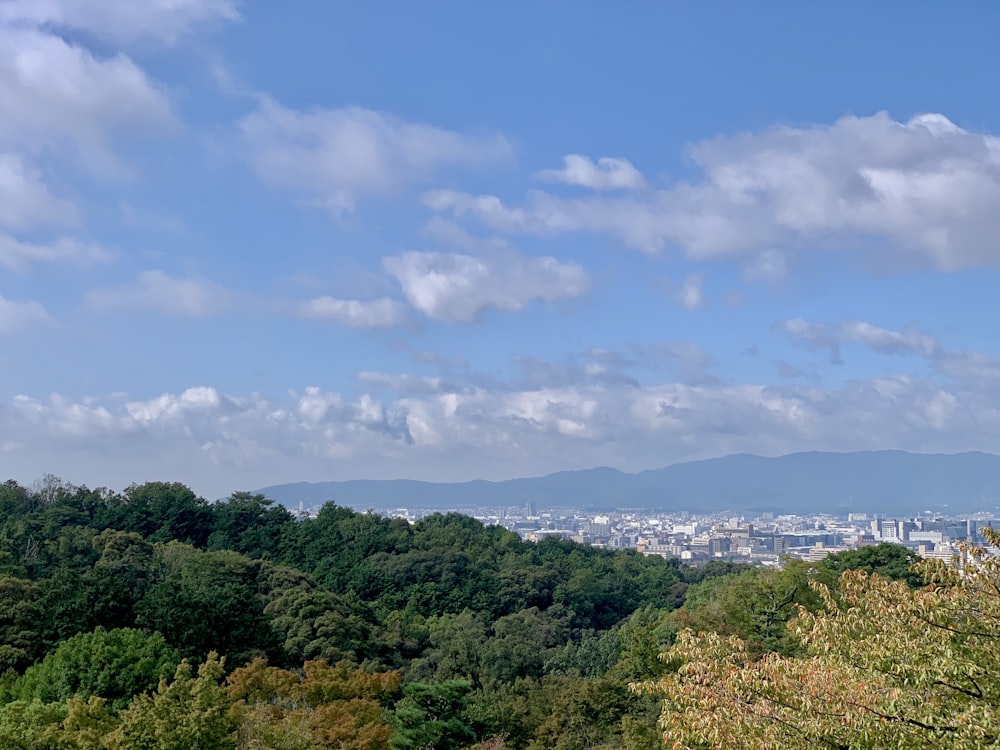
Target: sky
244, 244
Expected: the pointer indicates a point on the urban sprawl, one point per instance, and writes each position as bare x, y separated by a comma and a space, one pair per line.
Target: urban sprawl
762, 539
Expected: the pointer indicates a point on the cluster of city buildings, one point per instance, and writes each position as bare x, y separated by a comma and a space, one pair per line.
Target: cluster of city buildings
762, 539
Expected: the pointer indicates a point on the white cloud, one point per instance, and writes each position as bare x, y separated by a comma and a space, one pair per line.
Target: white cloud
607, 174
455, 287
55, 93
60, 99
450, 233
438, 431
690, 295
25, 199
885, 340
377, 313
974, 369
157, 292
17, 255
926, 188
487, 208
767, 265
333, 156
122, 20
169, 408
15, 315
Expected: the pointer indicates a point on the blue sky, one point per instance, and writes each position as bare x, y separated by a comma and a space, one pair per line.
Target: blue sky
241, 245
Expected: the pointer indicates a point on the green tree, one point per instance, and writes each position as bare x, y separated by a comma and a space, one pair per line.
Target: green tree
887, 560
755, 604
523, 642
190, 711
87, 725
31, 725
433, 715
65, 605
119, 579
883, 665
249, 524
511, 711
20, 636
160, 512
115, 665
585, 713
588, 654
316, 624
456, 647
207, 601
643, 636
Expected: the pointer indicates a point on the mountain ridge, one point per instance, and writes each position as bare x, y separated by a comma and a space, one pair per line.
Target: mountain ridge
886, 481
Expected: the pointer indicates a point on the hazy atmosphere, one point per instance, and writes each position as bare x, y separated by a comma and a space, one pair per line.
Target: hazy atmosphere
246, 244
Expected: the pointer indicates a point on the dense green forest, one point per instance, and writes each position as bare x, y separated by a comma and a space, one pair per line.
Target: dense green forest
151, 618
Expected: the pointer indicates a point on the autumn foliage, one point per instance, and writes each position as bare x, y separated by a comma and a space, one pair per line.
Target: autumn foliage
883, 665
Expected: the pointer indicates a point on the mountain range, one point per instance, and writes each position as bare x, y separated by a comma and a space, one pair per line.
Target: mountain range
874, 481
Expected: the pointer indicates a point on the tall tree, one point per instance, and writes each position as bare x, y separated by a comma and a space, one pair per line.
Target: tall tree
115, 665
884, 666
433, 715
190, 711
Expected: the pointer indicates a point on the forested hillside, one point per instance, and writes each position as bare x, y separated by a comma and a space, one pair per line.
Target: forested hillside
154, 619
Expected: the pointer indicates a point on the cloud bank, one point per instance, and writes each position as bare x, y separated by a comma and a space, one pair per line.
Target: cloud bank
925, 189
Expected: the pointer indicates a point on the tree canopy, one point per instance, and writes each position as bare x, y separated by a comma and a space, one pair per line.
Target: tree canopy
882, 665
152, 618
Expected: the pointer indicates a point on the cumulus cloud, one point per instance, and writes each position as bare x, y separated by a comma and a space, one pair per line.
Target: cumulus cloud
436, 431
16, 315
55, 93
60, 99
18, 256
25, 199
925, 187
155, 291
378, 313
169, 408
454, 287
333, 156
607, 174
122, 20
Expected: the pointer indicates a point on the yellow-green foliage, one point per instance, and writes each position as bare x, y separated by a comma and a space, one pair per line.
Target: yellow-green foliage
883, 666
326, 706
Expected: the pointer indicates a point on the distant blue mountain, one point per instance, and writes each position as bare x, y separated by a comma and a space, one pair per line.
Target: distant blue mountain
880, 481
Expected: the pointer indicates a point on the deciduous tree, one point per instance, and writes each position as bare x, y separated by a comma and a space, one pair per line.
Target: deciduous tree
884, 666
